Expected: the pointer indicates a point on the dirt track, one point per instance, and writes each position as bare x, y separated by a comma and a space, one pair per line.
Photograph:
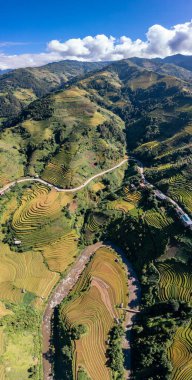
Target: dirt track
74, 189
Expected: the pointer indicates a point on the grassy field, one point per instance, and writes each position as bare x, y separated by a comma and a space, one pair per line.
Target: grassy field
12, 161
102, 286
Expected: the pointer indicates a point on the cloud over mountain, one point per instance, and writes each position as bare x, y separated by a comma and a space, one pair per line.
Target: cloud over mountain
159, 42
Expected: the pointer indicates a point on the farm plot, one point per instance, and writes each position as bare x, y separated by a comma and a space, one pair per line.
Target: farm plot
180, 354
157, 219
121, 205
60, 171
181, 191
128, 202
102, 286
39, 220
176, 283
60, 254
25, 272
95, 222
132, 197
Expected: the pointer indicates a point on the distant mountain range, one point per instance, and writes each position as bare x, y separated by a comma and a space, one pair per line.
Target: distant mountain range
91, 110
22, 86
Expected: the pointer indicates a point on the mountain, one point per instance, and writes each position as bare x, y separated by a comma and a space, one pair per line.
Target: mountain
166, 68
82, 128
4, 71
184, 61
79, 128
19, 87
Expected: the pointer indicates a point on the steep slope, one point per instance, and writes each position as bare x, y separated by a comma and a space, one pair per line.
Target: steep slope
157, 112
73, 133
184, 61
164, 67
65, 137
20, 87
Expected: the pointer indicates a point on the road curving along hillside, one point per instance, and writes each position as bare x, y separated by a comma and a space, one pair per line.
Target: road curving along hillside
72, 190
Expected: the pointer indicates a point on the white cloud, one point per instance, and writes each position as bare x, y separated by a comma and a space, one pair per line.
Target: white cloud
159, 42
11, 43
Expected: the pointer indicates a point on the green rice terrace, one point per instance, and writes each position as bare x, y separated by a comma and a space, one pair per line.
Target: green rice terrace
175, 283
95, 172
93, 306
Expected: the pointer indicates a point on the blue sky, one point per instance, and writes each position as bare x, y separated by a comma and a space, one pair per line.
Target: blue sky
37, 22
27, 27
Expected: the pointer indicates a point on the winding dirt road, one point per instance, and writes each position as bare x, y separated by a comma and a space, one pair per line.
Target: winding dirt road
34, 179
159, 194
66, 284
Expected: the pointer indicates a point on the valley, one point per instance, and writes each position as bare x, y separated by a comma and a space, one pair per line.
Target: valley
95, 222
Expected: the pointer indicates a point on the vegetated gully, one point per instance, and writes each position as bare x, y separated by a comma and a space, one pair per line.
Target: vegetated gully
63, 289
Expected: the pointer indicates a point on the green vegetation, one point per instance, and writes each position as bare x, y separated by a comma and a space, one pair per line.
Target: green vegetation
65, 137
20, 87
175, 283
115, 352
87, 318
21, 358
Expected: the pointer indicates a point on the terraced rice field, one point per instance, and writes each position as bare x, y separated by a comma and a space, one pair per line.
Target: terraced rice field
180, 354
176, 283
27, 278
96, 221
60, 254
38, 221
121, 205
132, 197
181, 191
24, 272
61, 171
127, 203
105, 286
157, 219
